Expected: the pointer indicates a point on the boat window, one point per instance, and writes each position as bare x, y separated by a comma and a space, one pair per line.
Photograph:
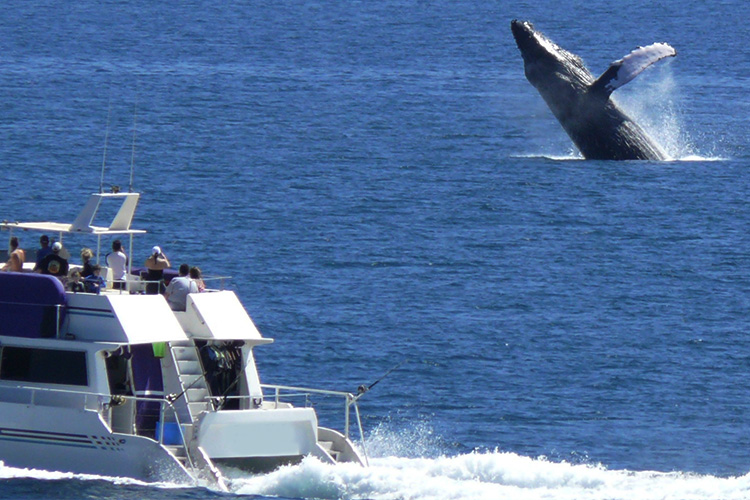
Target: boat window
43, 366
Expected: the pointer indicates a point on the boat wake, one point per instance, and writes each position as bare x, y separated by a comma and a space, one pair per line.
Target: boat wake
467, 476
483, 475
406, 467
77, 481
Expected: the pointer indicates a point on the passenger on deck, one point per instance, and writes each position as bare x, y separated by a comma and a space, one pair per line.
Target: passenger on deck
179, 288
156, 264
17, 257
74, 281
117, 260
94, 282
44, 251
54, 264
195, 275
86, 255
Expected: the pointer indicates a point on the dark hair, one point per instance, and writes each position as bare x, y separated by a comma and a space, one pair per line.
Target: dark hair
44, 238
195, 273
117, 245
14, 242
184, 269
96, 267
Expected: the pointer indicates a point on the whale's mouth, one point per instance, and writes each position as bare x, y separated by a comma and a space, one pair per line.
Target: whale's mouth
532, 44
523, 32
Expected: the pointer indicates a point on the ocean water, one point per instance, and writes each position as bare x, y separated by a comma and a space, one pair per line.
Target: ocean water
384, 186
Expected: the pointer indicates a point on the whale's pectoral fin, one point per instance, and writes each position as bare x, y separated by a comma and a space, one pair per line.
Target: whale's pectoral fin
623, 70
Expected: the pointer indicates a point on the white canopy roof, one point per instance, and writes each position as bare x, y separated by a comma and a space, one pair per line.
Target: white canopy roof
219, 316
122, 318
84, 222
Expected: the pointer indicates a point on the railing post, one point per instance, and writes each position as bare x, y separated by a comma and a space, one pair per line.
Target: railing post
57, 321
361, 433
346, 416
161, 422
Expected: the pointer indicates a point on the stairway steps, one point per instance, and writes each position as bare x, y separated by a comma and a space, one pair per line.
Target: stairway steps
189, 367
197, 408
197, 394
328, 446
192, 380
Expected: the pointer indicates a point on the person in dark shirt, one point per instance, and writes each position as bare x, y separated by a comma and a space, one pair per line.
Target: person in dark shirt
156, 264
86, 255
53, 264
44, 249
74, 281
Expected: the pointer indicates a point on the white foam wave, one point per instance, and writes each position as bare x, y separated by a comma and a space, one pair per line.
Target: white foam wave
467, 476
573, 156
484, 475
694, 157
45, 475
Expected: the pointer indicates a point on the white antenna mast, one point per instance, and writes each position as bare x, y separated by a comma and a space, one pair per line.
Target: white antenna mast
106, 138
132, 155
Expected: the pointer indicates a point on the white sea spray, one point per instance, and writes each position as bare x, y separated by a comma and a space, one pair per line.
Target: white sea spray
484, 475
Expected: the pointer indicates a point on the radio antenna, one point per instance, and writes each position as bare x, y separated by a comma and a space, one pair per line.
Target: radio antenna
132, 155
106, 138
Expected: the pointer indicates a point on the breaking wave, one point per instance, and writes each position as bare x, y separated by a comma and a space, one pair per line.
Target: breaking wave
405, 466
396, 473
484, 475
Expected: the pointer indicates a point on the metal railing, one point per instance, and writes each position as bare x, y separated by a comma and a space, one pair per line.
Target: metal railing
139, 285
350, 400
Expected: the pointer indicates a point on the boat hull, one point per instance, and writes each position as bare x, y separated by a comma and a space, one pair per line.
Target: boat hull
81, 443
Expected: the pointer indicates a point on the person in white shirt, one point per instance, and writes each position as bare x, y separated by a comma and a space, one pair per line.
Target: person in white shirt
117, 260
179, 288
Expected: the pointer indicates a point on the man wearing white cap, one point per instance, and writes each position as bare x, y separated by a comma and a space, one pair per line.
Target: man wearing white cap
156, 264
53, 263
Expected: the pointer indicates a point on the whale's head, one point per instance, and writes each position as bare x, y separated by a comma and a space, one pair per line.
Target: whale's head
549, 67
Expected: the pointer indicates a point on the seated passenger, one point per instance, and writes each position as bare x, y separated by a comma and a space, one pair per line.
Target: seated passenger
53, 263
195, 275
17, 257
179, 288
94, 283
86, 255
74, 281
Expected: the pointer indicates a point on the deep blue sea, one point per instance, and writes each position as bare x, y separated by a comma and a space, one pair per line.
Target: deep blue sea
384, 186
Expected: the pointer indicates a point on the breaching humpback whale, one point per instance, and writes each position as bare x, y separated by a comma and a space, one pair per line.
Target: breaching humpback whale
582, 103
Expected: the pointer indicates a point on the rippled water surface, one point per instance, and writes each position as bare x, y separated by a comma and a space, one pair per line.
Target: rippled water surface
383, 184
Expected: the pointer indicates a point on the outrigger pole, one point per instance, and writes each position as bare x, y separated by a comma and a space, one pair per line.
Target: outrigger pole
106, 138
362, 389
132, 155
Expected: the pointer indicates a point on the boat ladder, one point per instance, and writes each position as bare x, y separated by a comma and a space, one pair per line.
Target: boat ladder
192, 380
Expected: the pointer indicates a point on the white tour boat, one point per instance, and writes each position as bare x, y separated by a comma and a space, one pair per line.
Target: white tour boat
119, 384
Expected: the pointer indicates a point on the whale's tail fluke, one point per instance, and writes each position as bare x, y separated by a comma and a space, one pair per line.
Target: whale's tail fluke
626, 69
